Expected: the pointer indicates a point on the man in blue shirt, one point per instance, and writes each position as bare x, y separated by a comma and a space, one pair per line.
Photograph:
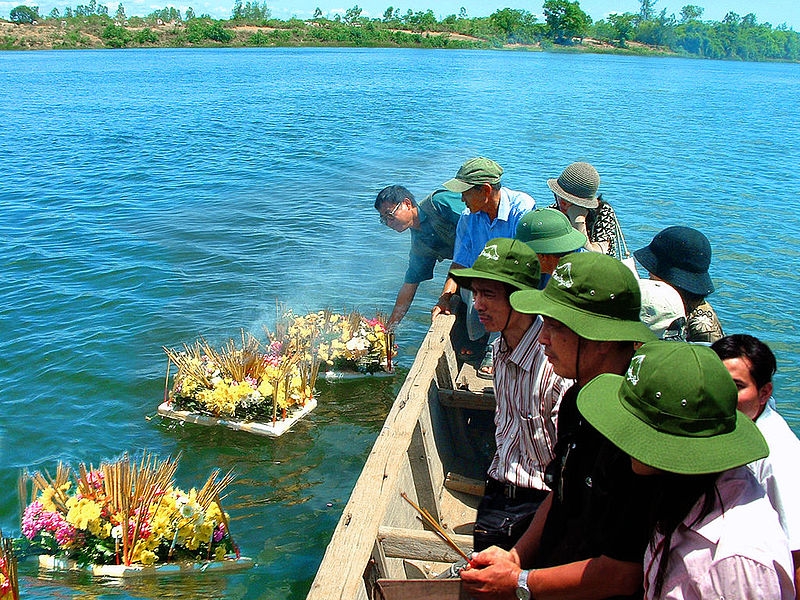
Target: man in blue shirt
494, 212
433, 231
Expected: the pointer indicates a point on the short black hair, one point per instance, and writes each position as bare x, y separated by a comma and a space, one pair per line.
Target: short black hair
762, 361
393, 194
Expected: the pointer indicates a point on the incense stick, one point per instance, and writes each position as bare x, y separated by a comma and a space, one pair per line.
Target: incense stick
427, 518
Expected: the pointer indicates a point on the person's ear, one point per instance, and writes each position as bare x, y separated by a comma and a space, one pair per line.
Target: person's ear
764, 393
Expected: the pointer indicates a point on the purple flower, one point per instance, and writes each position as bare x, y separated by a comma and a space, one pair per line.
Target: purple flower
31, 520
219, 532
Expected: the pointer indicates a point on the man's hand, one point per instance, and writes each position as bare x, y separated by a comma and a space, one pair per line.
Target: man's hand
493, 574
442, 306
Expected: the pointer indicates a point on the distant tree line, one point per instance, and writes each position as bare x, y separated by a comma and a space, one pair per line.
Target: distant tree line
565, 25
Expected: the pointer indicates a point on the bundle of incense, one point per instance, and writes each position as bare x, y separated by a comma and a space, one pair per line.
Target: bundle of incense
427, 518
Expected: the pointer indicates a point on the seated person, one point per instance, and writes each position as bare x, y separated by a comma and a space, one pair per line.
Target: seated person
752, 364
549, 233
714, 532
587, 539
575, 193
681, 256
527, 393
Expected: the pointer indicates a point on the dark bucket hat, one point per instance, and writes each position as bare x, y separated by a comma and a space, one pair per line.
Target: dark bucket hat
476, 171
505, 260
593, 294
681, 257
675, 410
549, 231
578, 184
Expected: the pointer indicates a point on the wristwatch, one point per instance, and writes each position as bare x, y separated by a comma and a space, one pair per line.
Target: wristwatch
523, 592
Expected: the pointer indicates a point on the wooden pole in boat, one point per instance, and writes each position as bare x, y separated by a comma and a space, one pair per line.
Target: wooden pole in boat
427, 518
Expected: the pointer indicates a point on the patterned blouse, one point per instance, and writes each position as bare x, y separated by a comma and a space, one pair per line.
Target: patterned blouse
601, 225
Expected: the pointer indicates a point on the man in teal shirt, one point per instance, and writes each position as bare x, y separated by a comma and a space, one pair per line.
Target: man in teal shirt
433, 231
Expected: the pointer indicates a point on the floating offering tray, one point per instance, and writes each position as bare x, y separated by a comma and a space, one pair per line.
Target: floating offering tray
53, 563
339, 375
280, 426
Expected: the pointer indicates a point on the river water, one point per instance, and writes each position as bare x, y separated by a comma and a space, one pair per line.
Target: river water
150, 197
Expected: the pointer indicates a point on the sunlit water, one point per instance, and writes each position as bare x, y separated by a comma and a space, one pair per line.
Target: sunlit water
151, 197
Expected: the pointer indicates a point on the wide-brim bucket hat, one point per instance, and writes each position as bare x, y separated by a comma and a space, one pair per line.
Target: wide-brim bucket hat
595, 295
504, 260
578, 184
548, 231
675, 410
680, 256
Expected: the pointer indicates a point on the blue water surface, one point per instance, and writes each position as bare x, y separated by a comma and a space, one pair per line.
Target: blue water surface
149, 197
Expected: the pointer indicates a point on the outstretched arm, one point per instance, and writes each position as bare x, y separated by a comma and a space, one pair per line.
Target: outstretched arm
401, 305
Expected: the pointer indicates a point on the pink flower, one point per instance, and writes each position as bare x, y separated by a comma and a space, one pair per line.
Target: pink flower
219, 532
31, 520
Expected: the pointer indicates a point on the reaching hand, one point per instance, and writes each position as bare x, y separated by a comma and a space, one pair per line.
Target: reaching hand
442, 306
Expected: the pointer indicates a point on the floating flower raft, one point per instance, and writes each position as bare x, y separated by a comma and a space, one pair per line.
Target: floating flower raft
127, 519
9, 583
266, 388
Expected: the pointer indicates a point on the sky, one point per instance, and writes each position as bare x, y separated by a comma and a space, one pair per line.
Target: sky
775, 12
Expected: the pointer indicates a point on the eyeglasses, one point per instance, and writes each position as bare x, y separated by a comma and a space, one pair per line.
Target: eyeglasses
390, 215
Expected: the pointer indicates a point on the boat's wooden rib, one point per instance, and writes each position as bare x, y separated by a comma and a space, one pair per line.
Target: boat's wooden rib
378, 531
416, 544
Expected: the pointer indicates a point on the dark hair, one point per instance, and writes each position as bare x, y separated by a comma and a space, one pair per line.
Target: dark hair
741, 345
495, 186
673, 498
393, 194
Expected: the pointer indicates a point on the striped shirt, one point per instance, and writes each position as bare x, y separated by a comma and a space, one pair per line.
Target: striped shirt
528, 394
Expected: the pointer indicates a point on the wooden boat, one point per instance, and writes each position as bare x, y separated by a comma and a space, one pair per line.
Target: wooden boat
435, 447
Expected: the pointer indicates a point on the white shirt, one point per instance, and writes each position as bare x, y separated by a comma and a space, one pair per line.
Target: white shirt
739, 553
779, 472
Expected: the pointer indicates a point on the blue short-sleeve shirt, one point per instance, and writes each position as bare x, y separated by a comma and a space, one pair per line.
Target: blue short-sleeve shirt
475, 229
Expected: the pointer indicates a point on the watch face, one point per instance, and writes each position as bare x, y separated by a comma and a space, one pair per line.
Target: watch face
523, 594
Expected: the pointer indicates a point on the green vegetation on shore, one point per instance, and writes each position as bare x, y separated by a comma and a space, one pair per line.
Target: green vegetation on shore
565, 27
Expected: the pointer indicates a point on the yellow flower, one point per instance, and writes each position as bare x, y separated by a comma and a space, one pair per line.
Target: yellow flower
84, 514
47, 494
144, 556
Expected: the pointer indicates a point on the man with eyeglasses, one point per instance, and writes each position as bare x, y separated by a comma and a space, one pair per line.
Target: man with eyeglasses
433, 231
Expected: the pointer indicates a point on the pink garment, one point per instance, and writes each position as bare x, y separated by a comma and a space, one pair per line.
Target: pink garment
738, 553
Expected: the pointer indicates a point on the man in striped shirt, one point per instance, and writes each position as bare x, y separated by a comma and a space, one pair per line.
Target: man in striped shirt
527, 392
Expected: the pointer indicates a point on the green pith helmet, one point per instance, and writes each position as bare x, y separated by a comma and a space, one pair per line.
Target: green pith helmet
505, 260
593, 294
548, 231
675, 410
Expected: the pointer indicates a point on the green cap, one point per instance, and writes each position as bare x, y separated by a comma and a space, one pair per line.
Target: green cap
505, 260
476, 171
549, 231
675, 410
593, 294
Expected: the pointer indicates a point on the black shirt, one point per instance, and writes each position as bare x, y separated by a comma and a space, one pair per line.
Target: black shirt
599, 505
